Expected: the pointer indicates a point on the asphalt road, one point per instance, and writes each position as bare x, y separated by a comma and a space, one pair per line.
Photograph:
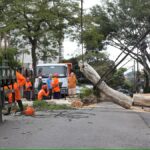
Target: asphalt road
107, 126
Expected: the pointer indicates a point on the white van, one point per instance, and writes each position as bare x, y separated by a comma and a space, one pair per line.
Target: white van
45, 70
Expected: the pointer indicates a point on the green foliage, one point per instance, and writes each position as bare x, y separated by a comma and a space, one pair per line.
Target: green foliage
99, 61
128, 85
97, 27
40, 25
118, 78
9, 54
92, 39
85, 92
42, 105
120, 23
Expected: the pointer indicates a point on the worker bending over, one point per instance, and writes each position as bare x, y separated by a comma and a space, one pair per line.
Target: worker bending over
44, 92
17, 92
17, 96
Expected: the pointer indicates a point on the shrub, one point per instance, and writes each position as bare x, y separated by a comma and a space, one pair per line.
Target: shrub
85, 92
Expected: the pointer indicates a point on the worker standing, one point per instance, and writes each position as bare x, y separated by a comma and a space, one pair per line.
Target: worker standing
72, 81
21, 80
55, 86
40, 83
28, 89
48, 82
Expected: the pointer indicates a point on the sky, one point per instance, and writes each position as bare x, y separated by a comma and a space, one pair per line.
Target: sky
71, 49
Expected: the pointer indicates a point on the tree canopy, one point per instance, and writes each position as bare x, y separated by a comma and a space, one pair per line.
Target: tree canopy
121, 23
38, 25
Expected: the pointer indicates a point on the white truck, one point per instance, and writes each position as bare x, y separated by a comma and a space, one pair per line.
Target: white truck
45, 70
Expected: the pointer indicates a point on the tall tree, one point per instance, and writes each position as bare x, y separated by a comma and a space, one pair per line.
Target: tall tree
124, 24
34, 23
131, 18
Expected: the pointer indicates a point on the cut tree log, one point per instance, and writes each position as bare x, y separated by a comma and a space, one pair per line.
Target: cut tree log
141, 100
108, 93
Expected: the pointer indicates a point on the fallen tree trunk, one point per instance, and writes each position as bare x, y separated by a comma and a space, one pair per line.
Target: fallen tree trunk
141, 100
108, 93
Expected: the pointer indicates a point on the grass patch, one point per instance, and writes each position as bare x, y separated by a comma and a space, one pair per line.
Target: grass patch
42, 105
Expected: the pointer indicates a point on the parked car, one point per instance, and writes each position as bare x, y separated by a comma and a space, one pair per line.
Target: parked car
125, 91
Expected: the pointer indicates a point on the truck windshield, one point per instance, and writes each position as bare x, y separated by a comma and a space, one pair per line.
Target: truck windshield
47, 70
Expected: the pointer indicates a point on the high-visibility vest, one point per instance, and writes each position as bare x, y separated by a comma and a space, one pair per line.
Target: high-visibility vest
28, 86
42, 93
72, 82
55, 85
17, 93
21, 80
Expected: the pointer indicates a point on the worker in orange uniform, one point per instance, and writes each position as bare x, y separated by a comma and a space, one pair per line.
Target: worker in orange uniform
17, 92
9, 98
21, 80
17, 97
72, 81
55, 86
28, 88
44, 92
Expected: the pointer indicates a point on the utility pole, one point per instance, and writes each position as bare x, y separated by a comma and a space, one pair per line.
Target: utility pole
82, 29
137, 74
134, 71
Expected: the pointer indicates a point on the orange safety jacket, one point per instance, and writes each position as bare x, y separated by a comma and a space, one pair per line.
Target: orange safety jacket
17, 93
9, 95
42, 93
72, 82
21, 80
55, 85
28, 86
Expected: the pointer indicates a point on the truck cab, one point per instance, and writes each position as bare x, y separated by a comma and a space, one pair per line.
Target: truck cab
45, 70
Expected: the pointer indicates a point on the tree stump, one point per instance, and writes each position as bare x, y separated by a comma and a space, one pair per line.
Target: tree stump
108, 93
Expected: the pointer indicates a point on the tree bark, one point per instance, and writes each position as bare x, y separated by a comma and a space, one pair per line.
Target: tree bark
141, 99
34, 57
110, 94
1, 115
1, 105
146, 85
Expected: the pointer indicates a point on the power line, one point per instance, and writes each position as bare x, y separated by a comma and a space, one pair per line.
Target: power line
136, 44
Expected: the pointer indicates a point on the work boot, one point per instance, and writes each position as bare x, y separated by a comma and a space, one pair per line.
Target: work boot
20, 105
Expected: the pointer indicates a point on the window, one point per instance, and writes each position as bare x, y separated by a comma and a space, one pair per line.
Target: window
46, 70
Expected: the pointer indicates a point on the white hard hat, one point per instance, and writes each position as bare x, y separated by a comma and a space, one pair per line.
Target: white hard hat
40, 77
